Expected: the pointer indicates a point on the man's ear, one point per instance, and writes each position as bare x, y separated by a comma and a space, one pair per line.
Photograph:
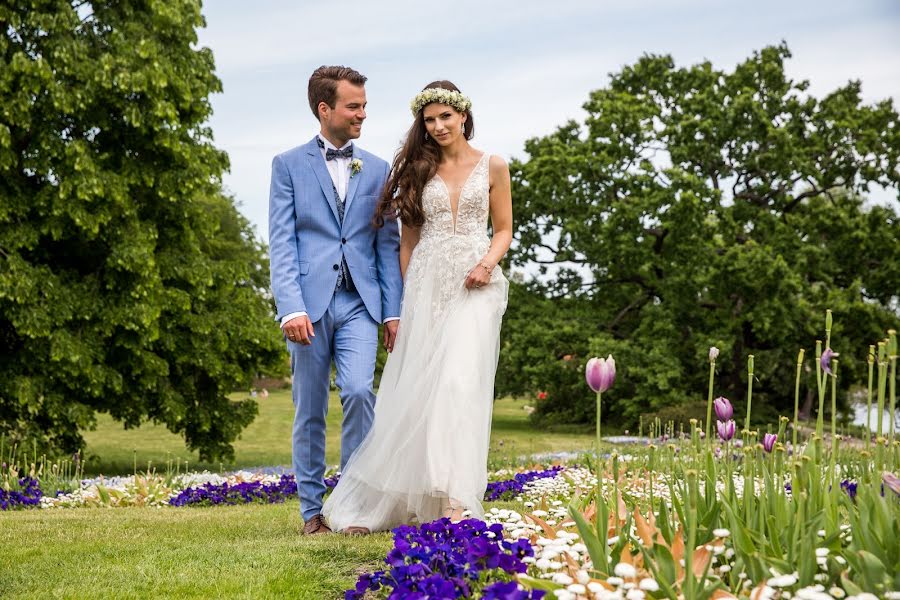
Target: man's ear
323, 109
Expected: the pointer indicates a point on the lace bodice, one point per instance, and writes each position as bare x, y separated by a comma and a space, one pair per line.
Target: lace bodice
472, 211
447, 250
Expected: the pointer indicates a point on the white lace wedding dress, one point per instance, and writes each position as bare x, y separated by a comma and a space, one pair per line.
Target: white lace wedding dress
429, 440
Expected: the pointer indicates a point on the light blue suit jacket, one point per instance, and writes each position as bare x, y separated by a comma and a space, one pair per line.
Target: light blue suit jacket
307, 239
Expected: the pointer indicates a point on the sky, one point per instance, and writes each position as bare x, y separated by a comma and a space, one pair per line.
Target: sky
528, 66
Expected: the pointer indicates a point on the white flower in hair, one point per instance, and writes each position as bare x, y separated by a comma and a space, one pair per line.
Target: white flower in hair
441, 96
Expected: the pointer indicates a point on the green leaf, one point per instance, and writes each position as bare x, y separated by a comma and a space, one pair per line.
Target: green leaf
597, 549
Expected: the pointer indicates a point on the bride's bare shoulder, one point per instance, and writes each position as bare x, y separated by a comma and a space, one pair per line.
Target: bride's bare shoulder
498, 169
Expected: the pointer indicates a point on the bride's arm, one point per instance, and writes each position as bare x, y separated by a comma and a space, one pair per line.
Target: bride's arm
501, 212
409, 237
501, 223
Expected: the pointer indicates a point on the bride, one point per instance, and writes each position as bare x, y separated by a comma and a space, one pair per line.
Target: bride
425, 456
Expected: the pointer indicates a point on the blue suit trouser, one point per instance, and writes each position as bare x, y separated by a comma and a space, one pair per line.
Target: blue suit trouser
348, 335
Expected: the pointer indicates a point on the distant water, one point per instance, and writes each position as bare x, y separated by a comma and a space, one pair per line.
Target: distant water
859, 418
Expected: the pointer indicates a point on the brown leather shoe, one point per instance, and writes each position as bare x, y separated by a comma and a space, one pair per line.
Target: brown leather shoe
354, 530
316, 524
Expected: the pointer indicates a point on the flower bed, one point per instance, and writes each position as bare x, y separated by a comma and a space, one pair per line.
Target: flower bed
27, 494
205, 489
450, 560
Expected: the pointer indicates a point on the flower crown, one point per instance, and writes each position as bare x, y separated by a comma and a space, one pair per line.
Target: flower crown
440, 96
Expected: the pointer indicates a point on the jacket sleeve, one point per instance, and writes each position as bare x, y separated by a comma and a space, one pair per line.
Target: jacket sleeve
387, 248
284, 263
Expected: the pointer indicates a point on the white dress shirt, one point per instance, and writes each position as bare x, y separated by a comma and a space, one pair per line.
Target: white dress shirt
339, 169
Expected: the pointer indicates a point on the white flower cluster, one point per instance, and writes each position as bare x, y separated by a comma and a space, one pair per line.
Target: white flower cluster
152, 489
440, 96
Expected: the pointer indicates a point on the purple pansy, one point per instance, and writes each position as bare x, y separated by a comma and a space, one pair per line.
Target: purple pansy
442, 559
27, 496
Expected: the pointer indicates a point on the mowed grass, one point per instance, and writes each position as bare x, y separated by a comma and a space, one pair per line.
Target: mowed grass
113, 450
251, 551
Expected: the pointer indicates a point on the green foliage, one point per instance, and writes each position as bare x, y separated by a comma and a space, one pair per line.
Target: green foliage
128, 283
698, 207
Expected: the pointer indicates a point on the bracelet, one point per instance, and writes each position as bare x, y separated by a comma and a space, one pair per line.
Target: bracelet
485, 266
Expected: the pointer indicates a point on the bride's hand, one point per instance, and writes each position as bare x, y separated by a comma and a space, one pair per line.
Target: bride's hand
479, 276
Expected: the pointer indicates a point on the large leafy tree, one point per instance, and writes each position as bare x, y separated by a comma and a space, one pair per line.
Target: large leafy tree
129, 284
697, 207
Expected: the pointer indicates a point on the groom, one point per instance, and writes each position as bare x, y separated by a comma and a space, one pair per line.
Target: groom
334, 275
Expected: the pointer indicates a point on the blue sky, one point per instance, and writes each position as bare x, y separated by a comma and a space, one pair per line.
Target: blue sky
528, 66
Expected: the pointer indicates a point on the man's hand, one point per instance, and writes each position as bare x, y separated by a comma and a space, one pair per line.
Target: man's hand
299, 330
390, 334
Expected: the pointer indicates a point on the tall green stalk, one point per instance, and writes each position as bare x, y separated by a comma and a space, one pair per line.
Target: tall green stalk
820, 387
749, 390
892, 355
599, 459
882, 380
709, 399
871, 361
834, 438
797, 399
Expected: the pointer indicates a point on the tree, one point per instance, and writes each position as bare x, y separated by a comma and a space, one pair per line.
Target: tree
696, 207
129, 284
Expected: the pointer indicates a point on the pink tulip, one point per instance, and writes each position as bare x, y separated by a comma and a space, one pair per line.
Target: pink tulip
891, 481
769, 440
600, 373
726, 429
724, 410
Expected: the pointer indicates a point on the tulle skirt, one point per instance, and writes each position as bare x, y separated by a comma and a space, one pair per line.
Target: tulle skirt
429, 439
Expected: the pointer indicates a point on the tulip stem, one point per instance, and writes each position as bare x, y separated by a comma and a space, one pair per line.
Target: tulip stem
709, 402
599, 459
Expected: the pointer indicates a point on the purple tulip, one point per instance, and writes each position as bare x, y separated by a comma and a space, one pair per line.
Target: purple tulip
726, 429
769, 440
724, 410
600, 373
825, 360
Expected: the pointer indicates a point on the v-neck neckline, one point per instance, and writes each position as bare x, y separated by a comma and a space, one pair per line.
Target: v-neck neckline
455, 213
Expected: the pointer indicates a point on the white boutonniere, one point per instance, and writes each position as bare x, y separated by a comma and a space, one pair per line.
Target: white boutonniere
355, 167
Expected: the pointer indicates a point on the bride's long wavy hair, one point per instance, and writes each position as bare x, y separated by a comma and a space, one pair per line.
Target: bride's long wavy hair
415, 163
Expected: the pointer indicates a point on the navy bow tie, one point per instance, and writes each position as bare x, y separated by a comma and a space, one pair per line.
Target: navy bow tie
331, 153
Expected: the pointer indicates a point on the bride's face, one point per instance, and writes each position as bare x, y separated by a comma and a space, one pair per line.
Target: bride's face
443, 123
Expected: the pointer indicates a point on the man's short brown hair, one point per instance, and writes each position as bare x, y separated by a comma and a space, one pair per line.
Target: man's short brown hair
323, 85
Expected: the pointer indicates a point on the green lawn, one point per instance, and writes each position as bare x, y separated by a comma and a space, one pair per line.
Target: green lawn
112, 450
251, 551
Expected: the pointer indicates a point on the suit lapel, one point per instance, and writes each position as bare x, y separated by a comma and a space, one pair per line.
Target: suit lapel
317, 163
353, 184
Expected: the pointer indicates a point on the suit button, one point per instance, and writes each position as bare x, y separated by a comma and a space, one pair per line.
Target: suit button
343, 240
335, 267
